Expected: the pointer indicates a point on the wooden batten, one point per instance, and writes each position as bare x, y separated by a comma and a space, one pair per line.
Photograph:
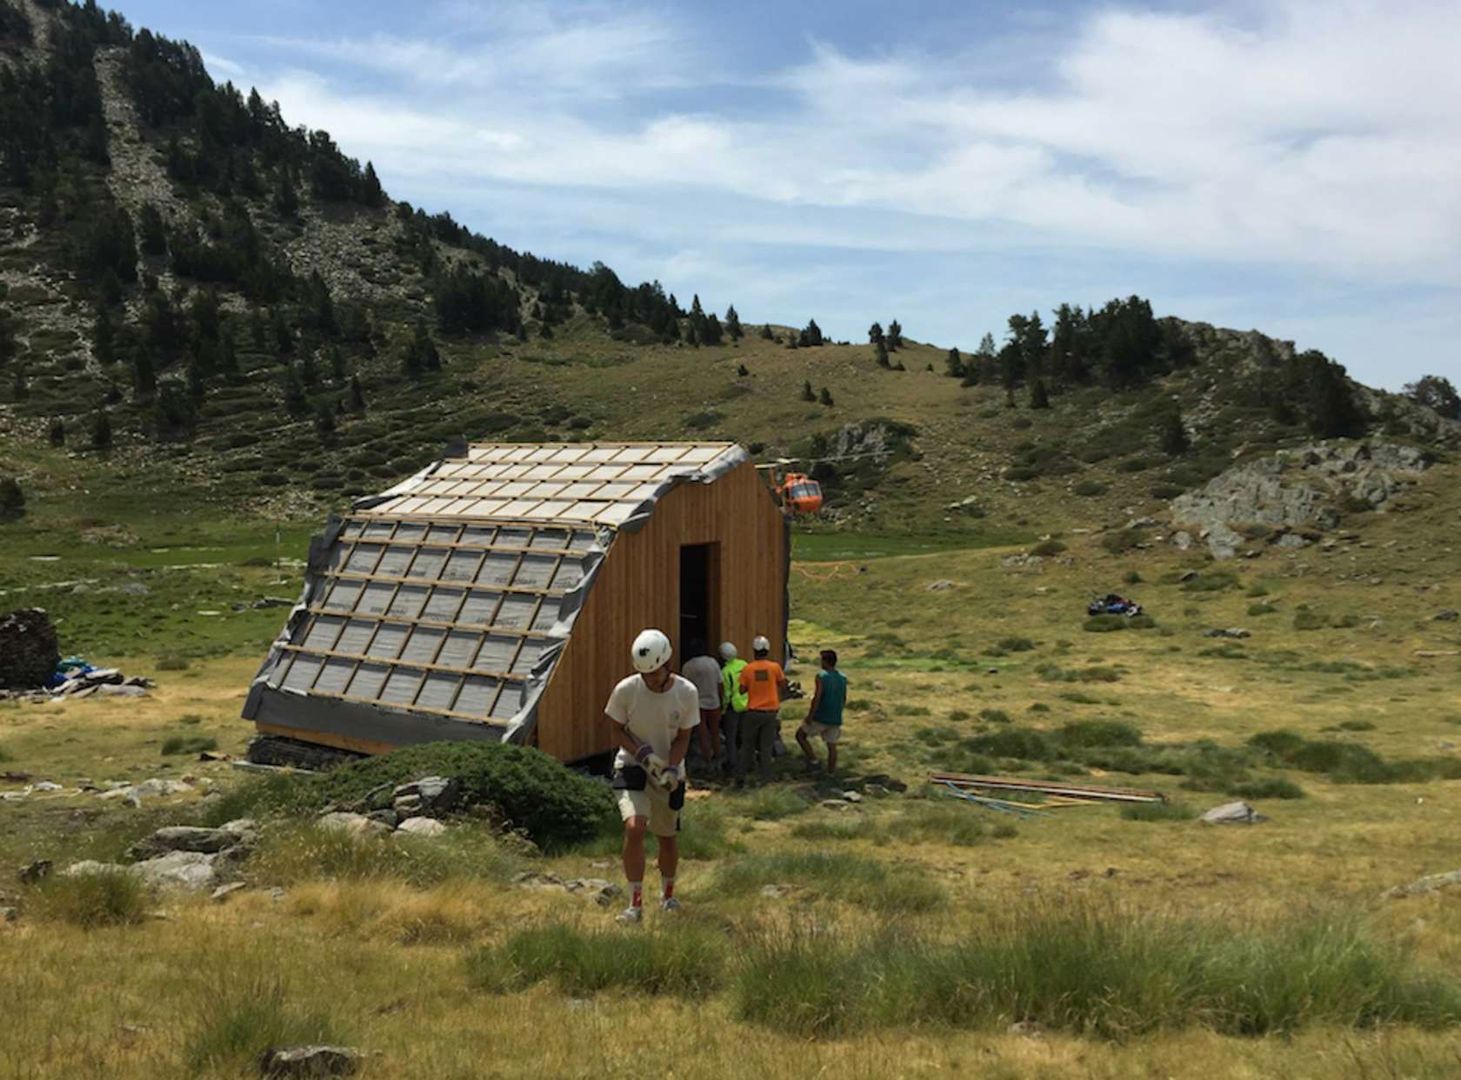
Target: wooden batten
638, 586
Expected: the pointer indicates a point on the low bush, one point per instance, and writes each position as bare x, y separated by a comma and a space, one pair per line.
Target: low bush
686, 961
1095, 970
1167, 491
1046, 548
188, 744
994, 716
1273, 787
554, 806
1104, 624
1089, 489
1120, 541
1255, 610
1090, 733
1309, 620
1161, 811
1212, 581
101, 898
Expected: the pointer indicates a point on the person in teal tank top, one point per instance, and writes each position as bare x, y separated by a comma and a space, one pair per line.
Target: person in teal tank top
824, 717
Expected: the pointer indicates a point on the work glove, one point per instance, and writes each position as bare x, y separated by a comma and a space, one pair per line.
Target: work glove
672, 776
656, 766
643, 753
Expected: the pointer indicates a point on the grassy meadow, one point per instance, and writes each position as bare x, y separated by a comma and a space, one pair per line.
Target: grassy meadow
906, 935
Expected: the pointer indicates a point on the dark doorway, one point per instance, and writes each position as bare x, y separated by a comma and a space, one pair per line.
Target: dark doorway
699, 569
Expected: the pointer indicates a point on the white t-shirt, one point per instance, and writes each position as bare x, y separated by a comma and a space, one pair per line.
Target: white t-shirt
704, 672
653, 718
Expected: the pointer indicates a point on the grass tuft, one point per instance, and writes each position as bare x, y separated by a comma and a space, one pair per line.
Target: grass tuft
1095, 970
296, 852
237, 1026
848, 878
684, 961
188, 744
103, 898
1163, 811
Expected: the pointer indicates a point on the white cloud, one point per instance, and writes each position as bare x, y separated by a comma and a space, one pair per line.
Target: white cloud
1313, 134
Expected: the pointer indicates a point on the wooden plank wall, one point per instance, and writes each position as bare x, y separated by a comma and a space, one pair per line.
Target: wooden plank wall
638, 586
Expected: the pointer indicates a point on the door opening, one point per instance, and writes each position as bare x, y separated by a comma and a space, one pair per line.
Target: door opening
699, 577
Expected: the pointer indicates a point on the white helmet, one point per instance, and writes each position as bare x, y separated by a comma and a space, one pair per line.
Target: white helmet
728, 651
652, 651
761, 644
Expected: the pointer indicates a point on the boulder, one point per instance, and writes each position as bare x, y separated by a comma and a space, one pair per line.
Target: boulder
1233, 813
431, 796
1428, 884
192, 871
278, 1063
189, 838
29, 649
352, 824
421, 826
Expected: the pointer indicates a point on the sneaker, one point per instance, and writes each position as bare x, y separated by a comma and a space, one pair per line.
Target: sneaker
630, 916
670, 904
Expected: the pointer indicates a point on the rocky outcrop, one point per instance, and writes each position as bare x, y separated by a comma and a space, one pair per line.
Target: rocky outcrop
29, 650
1308, 488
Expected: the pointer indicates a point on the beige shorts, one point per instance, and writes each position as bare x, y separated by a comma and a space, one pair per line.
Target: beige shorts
831, 734
652, 803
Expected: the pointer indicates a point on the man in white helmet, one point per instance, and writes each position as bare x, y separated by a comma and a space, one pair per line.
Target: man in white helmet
651, 714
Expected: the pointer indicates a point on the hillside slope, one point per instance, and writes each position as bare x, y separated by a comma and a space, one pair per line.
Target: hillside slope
197, 298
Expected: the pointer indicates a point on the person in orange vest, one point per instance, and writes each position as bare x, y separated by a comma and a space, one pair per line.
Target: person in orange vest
764, 684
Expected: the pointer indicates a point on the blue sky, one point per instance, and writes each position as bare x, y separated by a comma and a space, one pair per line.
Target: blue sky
1287, 165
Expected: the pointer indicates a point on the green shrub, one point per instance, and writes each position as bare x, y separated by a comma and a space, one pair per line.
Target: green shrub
1257, 589
1161, 811
188, 744
555, 806
1133, 465
1274, 787
1046, 548
1090, 733
171, 662
1013, 743
1212, 581
1120, 541
686, 961
1095, 970
1255, 610
1141, 622
1166, 491
1016, 644
1278, 743
1089, 488
1020, 473
994, 716
1309, 620
1105, 624
101, 898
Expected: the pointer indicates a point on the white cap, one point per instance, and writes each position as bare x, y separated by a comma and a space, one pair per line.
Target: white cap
760, 644
651, 651
728, 651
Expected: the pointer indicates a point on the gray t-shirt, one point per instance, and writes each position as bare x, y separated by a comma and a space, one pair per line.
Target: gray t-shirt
653, 718
704, 672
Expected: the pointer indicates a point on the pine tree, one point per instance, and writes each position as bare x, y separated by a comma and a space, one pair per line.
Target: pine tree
733, 324
357, 396
337, 364
875, 334
56, 434
1039, 396
153, 231
811, 335
743, 371
196, 386
103, 338
144, 373
286, 193
807, 392
324, 422
882, 354
19, 389
955, 364
766, 332
296, 401
825, 397
12, 499
101, 431
227, 358
1174, 434
371, 193
895, 336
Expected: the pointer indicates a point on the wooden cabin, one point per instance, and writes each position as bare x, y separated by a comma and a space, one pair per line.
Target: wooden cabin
495, 594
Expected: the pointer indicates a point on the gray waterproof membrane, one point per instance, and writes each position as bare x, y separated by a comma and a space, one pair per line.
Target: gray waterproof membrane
448, 625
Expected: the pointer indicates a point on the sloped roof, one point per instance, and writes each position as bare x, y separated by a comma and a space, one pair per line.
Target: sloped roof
453, 594
602, 483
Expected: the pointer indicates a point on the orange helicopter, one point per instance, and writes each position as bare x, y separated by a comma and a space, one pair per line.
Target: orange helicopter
797, 492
